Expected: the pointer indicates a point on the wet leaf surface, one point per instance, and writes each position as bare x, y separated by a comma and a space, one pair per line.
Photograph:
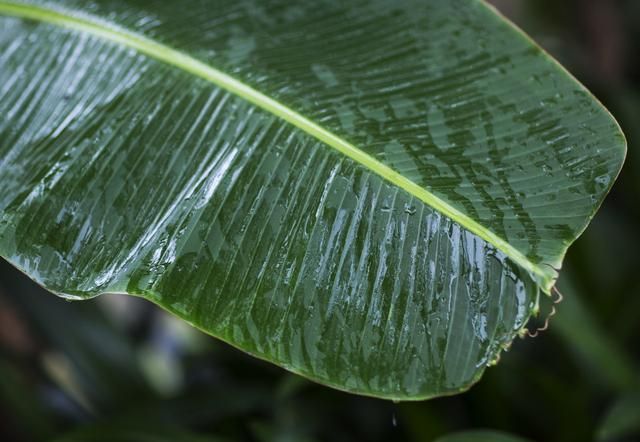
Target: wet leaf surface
371, 194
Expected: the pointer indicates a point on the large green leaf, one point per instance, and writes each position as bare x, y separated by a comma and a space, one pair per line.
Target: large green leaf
368, 193
480, 436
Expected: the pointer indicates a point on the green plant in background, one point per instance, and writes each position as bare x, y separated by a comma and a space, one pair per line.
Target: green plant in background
372, 195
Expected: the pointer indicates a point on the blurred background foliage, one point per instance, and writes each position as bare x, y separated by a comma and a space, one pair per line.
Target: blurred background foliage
118, 368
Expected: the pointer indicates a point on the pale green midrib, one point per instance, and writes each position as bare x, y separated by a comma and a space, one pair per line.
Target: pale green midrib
543, 276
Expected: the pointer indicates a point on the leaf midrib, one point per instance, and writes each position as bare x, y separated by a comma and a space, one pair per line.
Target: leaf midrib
83, 22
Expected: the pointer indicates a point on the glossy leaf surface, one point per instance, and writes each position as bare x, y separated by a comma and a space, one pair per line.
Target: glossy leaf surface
371, 194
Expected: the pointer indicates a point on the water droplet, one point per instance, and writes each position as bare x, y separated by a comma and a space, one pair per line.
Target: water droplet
494, 361
603, 180
411, 210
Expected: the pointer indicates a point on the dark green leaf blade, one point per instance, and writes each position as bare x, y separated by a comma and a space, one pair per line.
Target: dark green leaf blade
481, 436
376, 213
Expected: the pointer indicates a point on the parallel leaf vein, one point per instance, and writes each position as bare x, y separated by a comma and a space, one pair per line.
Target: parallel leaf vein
95, 26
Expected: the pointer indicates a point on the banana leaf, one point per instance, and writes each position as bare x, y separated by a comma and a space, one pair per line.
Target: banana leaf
372, 194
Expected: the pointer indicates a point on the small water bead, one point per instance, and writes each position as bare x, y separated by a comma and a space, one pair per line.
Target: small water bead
409, 209
603, 180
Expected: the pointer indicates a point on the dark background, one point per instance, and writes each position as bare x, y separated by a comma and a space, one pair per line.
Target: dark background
118, 368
